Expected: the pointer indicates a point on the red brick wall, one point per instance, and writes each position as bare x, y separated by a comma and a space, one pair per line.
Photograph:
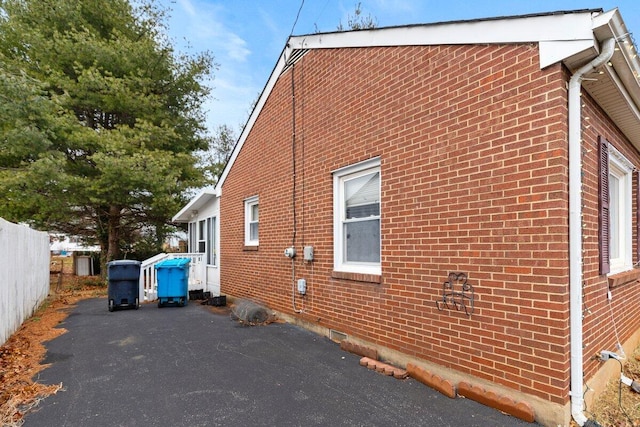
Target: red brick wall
602, 317
473, 148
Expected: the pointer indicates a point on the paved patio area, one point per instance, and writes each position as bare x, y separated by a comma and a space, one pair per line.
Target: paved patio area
190, 366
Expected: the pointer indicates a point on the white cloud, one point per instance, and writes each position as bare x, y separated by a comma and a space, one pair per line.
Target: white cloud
237, 48
202, 24
187, 6
205, 25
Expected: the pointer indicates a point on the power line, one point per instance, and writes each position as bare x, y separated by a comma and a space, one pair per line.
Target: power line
297, 16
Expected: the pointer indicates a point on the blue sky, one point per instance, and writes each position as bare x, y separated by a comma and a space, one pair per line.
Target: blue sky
247, 36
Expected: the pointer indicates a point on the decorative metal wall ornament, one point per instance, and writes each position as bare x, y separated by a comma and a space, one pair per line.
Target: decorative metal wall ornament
457, 293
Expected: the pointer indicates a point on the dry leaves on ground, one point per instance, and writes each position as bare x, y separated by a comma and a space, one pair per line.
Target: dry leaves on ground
22, 355
619, 405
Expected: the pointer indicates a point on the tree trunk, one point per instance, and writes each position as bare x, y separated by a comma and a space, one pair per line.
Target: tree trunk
113, 248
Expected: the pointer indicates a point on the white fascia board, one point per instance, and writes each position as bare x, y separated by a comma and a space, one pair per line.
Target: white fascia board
194, 204
529, 29
604, 19
559, 36
552, 52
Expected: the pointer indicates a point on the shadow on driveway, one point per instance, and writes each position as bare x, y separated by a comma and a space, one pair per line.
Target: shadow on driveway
188, 366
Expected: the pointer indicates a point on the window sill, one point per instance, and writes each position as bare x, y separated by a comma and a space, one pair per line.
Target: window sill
357, 277
623, 278
250, 248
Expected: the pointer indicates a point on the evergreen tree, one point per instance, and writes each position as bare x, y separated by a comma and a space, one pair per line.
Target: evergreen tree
102, 141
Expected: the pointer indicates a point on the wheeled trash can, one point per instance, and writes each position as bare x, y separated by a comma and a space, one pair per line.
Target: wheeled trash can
124, 284
173, 281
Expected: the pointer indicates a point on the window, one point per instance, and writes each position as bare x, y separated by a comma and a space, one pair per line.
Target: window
192, 237
251, 221
202, 238
211, 241
357, 218
615, 210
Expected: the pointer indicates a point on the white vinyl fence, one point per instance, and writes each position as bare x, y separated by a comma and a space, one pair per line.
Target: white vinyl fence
24, 275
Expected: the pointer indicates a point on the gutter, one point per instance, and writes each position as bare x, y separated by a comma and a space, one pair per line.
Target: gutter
575, 229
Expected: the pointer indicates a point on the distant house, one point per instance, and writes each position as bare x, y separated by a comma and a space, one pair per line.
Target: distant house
460, 196
83, 264
62, 244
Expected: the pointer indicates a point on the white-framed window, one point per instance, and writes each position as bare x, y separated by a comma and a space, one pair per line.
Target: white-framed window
192, 240
620, 212
202, 236
356, 211
212, 258
251, 221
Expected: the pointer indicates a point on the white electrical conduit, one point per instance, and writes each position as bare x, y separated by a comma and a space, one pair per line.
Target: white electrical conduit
575, 229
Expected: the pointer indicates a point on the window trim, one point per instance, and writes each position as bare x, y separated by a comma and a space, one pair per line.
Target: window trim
248, 205
612, 161
622, 169
339, 176
211, 244
191, 238
201, 246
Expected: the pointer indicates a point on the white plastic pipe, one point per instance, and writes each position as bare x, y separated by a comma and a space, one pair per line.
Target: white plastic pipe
575, 229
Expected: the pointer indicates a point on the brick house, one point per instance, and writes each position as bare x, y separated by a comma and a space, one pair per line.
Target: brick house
503, 150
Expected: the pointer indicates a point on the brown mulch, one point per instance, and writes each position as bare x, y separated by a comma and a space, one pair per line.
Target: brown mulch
619, 405
22, 355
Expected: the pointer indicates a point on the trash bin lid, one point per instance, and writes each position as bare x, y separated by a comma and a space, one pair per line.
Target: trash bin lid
173, 263
123, 262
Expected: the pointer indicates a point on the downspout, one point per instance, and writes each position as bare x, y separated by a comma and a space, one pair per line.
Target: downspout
575, 230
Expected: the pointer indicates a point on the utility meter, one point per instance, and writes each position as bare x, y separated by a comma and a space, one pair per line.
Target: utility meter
302, 286
308, 253
290, 252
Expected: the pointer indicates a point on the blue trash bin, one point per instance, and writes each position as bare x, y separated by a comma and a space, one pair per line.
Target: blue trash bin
123, 284
173, 281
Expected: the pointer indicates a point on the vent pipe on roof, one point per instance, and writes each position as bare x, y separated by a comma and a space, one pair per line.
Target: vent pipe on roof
575, 230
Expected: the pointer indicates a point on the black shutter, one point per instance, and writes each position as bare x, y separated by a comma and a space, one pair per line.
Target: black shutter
603, 204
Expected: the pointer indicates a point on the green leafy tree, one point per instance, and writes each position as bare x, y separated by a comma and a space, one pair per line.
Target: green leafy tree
102, 140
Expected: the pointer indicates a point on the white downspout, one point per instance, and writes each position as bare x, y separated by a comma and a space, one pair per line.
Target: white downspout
575, 229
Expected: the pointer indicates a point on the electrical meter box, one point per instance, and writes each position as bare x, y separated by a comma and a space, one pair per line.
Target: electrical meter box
308, 253
302, 286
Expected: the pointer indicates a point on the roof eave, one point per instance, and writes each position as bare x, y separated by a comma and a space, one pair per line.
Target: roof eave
562, 37
190, 210
615, 86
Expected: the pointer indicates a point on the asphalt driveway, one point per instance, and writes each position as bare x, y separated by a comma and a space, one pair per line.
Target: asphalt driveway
189, 366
